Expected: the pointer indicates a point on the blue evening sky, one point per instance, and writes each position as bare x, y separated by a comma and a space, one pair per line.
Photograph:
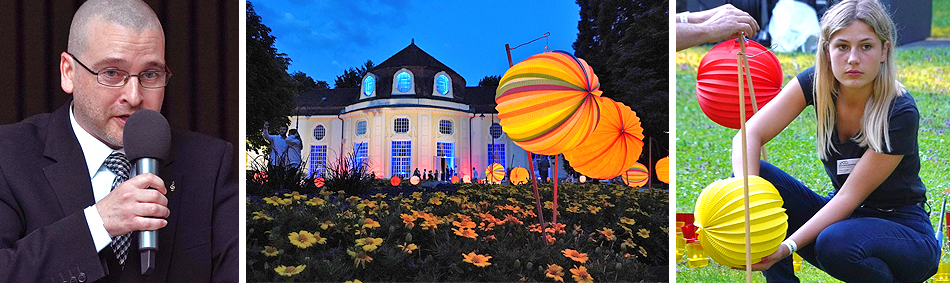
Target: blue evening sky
323, 38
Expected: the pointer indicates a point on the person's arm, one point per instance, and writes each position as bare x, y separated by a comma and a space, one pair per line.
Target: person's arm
713, 25
868, 174
266, 134
766, 124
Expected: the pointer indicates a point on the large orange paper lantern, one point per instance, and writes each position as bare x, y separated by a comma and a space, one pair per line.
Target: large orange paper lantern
662, 169
613, 147
455, 179
547, 103
636, 176
496, 173
717, 85
519, 176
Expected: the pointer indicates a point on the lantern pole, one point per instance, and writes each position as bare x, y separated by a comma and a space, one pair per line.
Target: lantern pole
745, 167
534, 182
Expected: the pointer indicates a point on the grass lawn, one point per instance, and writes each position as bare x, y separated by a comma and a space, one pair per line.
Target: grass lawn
940, 26
703, 147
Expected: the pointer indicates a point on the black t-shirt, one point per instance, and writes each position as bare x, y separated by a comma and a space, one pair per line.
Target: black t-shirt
903, 186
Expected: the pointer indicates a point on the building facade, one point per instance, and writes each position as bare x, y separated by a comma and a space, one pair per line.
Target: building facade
410, 112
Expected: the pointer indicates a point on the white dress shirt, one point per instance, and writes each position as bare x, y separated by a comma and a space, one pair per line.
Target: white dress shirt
96, 153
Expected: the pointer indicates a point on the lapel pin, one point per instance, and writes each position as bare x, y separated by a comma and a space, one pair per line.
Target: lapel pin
172, 187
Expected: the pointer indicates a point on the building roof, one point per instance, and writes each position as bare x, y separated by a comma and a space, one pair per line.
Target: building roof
423, 66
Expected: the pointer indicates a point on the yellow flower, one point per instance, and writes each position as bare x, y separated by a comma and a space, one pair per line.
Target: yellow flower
261, 215
366, 203
548, 205
359, 259
316, 201
353, 281
581, 275
273, 200
573, 209
644, 233
327, 224
628, 243
408, 248
370, 223
379, 196
608, 233
289, 270
353, 199
476, 259
305, 239
270, 251
417, 195
555, 271
574, 255
468, 233
643, 251
369, 243
296, 195
435, 201
628, 221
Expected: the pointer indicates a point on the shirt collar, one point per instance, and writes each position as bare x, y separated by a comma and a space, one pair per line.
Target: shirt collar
94, 150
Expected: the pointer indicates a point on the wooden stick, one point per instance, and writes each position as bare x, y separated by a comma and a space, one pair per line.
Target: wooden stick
537, 195
745, 165
554, 214
755, 103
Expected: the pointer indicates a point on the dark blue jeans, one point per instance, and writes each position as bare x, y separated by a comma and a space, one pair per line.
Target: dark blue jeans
869, 246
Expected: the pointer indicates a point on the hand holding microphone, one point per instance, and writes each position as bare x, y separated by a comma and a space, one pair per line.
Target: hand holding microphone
147, 140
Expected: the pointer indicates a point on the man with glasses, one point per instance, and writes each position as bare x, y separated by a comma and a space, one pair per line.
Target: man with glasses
69, 211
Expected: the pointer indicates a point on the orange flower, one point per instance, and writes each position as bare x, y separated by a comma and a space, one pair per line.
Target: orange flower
468, 233
370, 223
353, 199
581, 275
593, 209
558, 227
369, 243
608, 233
464, 224
359, 259
574, 255
408, 220
476, 259
555, 271
511, 219
549, 239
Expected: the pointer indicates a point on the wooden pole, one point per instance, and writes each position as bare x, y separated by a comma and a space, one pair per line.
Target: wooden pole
745, 165
534, 183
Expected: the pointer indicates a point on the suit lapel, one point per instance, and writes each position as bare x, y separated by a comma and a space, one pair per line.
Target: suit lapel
166, 241
68, 175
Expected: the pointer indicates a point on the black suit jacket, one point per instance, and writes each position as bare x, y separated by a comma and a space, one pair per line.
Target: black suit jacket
45, 185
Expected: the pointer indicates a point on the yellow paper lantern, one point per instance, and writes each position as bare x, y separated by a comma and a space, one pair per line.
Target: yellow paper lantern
613, 146
519, 176
662, 169
467, 179
547, 103
496, 173
414, 180
636, 176
720, 220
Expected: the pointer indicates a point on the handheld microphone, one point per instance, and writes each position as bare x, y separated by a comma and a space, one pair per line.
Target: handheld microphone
147, 139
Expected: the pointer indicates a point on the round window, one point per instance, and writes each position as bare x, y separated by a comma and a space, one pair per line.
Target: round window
319, 132
495, 130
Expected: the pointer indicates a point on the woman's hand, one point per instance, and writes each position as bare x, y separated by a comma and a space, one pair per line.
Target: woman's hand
771, 259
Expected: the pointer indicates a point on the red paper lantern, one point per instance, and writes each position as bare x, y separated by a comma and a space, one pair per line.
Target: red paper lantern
717, 85
319, 182
395, 180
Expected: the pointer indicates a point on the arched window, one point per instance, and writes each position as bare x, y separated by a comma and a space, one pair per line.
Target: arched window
319, 132
495, 130
445, 127
442, 84
403, 82
401, 125
369, 85
361, 128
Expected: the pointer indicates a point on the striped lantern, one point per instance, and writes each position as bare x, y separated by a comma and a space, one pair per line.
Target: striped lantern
636, 176
496, 173
547, 103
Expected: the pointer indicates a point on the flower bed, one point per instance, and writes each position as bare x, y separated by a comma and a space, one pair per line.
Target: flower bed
455, 233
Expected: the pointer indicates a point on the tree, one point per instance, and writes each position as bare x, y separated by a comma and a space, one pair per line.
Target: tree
626, 43
270, 90
304, 83
490, 81
353, 77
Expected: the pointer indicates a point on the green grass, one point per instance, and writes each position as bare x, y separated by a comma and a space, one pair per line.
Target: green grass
940, 25
703, 147
717, 273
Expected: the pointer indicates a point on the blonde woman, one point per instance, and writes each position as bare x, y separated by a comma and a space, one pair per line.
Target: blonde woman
872, 227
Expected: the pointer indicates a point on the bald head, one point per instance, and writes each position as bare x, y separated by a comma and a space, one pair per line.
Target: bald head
132, 14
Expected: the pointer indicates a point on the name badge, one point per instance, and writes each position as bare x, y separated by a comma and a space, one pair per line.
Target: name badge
846, 165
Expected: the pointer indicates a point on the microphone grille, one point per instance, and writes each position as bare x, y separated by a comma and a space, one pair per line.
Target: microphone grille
146, 135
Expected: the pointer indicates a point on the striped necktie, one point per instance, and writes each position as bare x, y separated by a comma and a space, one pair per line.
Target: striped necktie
118, 164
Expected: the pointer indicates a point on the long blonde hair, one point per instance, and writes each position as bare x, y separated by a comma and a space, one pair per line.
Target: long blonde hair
874, 123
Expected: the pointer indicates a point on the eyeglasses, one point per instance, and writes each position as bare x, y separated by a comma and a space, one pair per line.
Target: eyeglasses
112, 77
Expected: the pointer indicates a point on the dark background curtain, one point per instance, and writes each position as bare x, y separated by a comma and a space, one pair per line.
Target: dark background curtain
201, 49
